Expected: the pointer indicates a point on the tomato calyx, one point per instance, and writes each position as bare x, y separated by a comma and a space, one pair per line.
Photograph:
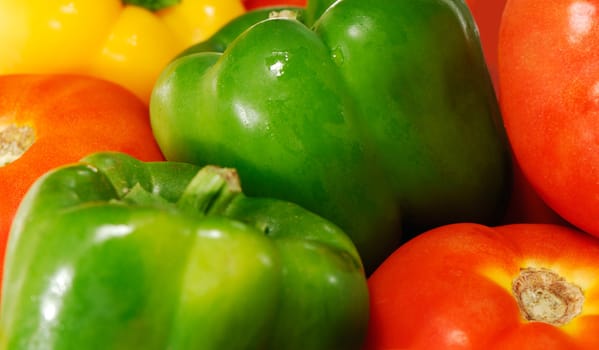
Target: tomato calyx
15, 140
545, 296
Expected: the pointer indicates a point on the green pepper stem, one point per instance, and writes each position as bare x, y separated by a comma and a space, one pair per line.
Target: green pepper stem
210, 191
152, 5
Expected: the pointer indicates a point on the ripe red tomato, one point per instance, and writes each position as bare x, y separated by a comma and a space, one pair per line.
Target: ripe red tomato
58, 119
548, 55
467, 286
525, 204
254, 4
487, 14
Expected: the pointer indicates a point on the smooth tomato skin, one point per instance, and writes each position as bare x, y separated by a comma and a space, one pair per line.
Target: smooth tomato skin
450, 288
487, 14
548, 80
72, 116
525, 204
254, 4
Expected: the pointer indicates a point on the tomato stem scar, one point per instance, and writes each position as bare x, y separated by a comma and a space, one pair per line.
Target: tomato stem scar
14, 142
544, 296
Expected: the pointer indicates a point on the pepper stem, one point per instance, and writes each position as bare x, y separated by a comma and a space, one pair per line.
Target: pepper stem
284, 14
14, 142
210, 191
544, 296
152, 5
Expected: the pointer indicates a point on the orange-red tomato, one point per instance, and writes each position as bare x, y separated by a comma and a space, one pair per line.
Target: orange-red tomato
487, 14
467, 286
548, 56
59, 119
525, 204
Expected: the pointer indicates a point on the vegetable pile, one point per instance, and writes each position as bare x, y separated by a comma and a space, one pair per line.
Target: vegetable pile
350, 174
126, 42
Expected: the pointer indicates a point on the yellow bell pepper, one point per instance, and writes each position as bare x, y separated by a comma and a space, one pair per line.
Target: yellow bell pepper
124, 43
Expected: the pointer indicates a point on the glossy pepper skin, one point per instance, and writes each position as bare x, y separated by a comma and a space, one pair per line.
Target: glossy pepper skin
124, 43
115, 253
316, 113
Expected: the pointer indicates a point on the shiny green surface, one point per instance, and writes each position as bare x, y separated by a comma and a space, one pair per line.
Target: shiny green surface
114, 253
417, 71
378, 110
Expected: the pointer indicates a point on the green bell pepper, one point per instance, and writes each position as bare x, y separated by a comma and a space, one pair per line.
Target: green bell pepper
379, 112
115, 253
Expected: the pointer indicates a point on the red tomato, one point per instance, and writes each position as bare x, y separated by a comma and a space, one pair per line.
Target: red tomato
467, 286
254, 4
549, 86
63, 118
487, 14
525, 204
